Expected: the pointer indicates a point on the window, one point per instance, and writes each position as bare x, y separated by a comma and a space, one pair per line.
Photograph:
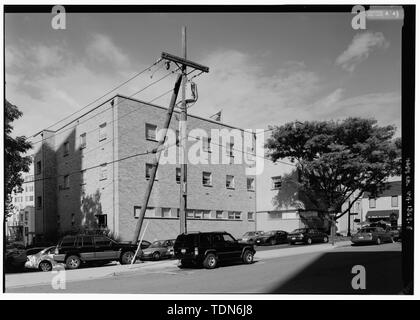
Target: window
150, 212
372, 203
219, 214
31, 188
151, 131
229, 149
250, 216
178, 175
206, 144
31, 198
206, 214
68, 242
38, 167
228, 238
166, 212
250, 184
394, 201
230, 182
231, 215
102, 220
39, 202
238, 215
207, 179
26, 215
276, 183
83, 177
66, 182
102, 242
198, 214
83, 140
103, 173
190, 213
88, 241
250, 154
148, 172
102, 131
66, 149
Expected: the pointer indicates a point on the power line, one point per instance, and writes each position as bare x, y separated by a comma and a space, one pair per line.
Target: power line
80, 122
97, 99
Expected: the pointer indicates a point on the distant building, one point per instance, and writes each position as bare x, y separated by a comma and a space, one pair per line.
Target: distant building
21, 223
87, 176
385, 207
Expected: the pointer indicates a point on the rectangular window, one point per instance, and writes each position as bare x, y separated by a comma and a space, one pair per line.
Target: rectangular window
178, 175
102, 220
250, 184
219, 214
394, 201
372, 203
103, 173
66, 182
231, 215
190, 213
207, 179
276, 183
26, 216
206, 214
230, 182
250, 216
150, 212
166, 212
39, 202
83, 177
38, 167
83, 140
151, 132
229, 149
66, 149
102, 132
250, 154
148, 172
238, 215
206, 144
198, 214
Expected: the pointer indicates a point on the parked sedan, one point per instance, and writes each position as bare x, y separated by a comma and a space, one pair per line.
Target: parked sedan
158, 250
250, 236
307, 235
43, 260
371, 235
272, 238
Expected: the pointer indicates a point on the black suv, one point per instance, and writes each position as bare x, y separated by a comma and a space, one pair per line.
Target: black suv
210, 248
73, 250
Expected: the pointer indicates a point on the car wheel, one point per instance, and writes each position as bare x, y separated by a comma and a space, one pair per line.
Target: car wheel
127, 257
156, 255
325, 239
210, 261
273, 242
248, 257
73, 262
309, 241
378, 241
45, 266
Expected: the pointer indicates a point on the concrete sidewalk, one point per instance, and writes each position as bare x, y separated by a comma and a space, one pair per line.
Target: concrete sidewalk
37, 278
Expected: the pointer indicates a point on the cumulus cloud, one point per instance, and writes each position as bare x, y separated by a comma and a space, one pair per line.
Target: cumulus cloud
360, 48
104, 50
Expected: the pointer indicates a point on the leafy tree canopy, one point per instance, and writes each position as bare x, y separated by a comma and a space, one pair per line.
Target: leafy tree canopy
15, 162
337, 161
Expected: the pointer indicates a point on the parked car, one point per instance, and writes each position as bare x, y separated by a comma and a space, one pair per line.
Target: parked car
42, 260
307, 235
210, 248
15, 257
250, 236
35, 250
371, 235
75, 250
159, 249
272, 238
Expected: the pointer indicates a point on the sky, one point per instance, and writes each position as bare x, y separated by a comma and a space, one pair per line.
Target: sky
265, 69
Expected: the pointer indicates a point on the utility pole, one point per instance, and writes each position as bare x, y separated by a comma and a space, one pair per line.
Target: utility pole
348, 221
183, 142
182, 63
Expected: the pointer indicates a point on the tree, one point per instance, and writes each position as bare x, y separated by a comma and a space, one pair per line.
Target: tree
15, 162
337, 161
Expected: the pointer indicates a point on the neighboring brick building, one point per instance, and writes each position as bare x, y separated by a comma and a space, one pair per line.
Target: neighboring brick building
74, 190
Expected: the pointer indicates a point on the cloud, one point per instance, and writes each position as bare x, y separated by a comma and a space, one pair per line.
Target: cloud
102, 49
360, 48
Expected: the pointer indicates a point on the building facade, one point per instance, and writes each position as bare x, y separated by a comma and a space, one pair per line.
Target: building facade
21, 223
93, 173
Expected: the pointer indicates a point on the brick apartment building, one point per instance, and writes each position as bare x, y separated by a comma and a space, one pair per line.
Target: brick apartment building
86, 176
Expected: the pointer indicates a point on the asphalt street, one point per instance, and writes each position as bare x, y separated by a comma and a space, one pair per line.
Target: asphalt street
311, 273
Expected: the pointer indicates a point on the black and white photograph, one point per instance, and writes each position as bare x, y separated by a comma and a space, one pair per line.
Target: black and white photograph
201, 150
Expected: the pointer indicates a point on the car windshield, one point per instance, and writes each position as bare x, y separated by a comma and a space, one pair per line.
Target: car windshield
249, 234
366, 230
157, 244
299, 231
270, 233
